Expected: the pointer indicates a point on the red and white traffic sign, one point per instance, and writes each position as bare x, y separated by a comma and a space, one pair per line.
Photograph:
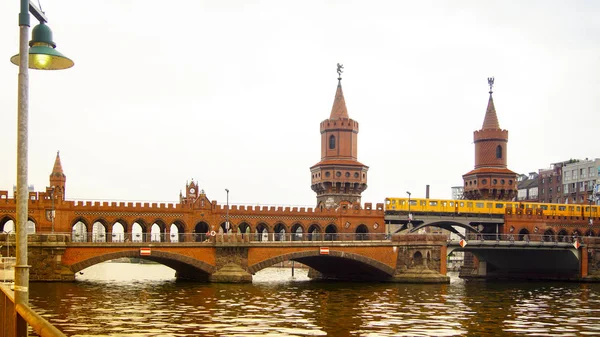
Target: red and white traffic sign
145, 251
324, 250
463, 243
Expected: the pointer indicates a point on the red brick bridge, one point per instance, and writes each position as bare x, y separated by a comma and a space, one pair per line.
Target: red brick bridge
235, 258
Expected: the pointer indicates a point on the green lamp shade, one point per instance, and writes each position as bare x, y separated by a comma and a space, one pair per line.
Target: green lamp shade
42, 52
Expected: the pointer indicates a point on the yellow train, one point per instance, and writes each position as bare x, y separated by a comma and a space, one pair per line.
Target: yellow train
486, 207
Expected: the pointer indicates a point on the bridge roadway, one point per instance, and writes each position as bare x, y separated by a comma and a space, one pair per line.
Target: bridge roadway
235, 258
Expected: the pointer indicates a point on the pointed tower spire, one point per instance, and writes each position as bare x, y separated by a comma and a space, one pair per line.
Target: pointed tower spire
58, 166
58, 179
339, 111
490, 122
490, 179
339, 177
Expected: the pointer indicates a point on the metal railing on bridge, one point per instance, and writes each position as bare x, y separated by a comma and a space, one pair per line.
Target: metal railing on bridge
210, 237
15, 320
525, 237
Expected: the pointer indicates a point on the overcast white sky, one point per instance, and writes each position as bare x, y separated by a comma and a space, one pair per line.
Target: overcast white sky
231, 93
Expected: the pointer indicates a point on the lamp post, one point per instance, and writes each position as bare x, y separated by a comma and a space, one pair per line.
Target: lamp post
591, 221
409, 217
52, 212
43, 56
227, 213
7, 252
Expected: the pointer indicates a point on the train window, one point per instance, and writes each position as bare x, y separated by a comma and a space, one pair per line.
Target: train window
489, 205
469, 204
499, 205
571, 208
553, 208
479, 204
414, 203
423, 203
562, 208
433, 203
544, 207
462, 204
578, 208
444, 204
451, 204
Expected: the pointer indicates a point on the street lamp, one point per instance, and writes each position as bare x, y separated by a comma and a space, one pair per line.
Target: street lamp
409, 217
227, 213
591, 221
7, 252
52, 212
43, 56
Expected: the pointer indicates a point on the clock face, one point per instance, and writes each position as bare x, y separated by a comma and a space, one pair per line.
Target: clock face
192, 190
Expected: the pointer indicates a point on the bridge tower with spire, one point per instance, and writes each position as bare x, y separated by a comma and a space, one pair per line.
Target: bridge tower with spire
338, 177
58, 180
490, 179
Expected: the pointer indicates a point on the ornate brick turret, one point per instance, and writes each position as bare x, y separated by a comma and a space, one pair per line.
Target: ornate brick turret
491, 179
58, 180
338, 177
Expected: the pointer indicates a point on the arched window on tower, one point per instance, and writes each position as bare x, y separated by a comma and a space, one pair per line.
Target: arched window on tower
499, 152
331, 142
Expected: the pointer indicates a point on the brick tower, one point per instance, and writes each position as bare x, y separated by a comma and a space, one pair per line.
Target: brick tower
58, 179
338, 177
491, 179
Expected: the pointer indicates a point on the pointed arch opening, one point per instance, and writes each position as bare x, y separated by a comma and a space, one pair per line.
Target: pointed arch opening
98, 232
563, 236
313, 233
548, 235
262, 232
279, 232
362, 233
79, 232
524, 235
331, 142
331, 233
201, 231
296, 232
499, 152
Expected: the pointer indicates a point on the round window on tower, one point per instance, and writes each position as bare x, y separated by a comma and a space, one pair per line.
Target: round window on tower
327, 174
484, 181
338, 174
347, 174
355, 174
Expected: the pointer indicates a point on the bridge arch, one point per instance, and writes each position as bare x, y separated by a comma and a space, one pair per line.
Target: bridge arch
126, 227
182, 264
362, 232
549, 235
562, 235
279, 231
297, 232
79, 229
5, 220
447, 225
319, 262
262, 232
243, 228
331, 232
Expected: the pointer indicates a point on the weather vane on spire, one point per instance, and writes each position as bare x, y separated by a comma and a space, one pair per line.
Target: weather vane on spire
340, 71
491, 83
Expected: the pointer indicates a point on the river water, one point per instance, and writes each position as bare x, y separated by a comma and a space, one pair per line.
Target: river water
124, 299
